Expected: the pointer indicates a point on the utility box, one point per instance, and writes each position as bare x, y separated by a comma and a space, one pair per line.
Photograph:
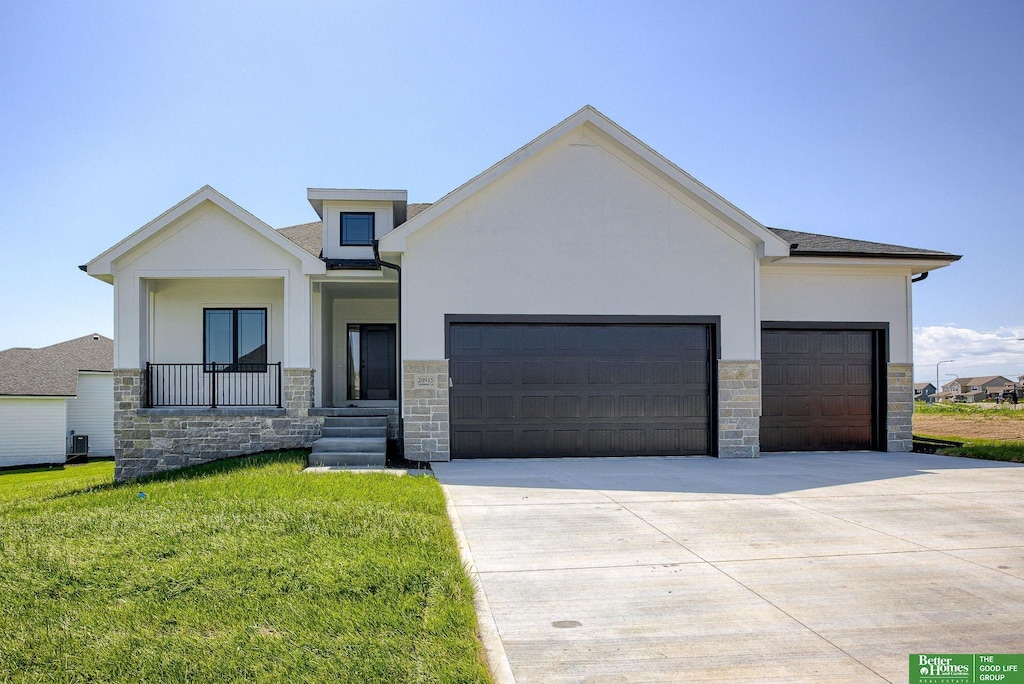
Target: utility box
79, 445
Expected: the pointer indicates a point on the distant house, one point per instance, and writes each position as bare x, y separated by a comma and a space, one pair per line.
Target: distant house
49, 393
973, 390
923, 391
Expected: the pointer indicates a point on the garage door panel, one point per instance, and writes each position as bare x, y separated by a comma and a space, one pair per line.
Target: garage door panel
498, 407
498, 373
566, 407
466, 372
553, 389
472, 408
819, 390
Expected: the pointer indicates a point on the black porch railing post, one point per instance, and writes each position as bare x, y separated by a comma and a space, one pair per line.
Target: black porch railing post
280, 389
149, 385
213, 387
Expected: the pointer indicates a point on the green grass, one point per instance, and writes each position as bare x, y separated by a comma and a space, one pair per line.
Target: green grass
1001, 411
239, 570
988, 449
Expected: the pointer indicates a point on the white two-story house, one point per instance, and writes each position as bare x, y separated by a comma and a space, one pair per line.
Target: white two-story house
582, 297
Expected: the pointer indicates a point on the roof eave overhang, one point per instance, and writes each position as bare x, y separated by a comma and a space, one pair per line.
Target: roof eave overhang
915, 263
317, 197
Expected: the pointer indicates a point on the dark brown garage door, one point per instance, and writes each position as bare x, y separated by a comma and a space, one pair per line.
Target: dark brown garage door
819, 389
574, 389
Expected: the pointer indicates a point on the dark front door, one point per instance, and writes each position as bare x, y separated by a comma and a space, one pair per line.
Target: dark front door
820, 389
376, 378
554, 389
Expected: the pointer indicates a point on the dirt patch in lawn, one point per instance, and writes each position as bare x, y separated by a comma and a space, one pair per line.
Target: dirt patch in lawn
970, 427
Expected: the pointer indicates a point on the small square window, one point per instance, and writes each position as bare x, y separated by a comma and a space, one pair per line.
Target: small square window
357, 228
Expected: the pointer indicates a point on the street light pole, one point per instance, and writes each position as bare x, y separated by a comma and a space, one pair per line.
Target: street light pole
937, 387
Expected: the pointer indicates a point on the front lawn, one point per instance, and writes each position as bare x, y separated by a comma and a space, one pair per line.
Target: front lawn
240, 570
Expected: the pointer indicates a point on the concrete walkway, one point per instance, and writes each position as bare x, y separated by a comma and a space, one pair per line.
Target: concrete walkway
791, 567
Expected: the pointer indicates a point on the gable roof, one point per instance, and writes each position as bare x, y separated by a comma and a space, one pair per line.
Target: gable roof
53, 370
922, 385
814, 244
771, 244
102, 265
978, 381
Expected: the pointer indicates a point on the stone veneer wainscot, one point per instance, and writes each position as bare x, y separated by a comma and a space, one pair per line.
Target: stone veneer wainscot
425, 411
148, 441
739, 409
900, 407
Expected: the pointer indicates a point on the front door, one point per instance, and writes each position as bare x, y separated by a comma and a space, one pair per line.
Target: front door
373, 344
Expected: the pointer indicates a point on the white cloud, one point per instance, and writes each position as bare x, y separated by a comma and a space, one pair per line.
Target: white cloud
974, 352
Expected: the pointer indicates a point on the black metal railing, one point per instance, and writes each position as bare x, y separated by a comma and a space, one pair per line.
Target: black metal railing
213, 384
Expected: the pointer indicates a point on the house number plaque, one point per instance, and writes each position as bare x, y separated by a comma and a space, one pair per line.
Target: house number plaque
424, 381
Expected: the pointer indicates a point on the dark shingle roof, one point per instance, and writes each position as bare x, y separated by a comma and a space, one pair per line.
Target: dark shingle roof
813, 244
53, 371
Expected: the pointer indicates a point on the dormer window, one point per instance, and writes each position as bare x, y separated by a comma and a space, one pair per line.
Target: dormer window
357, 228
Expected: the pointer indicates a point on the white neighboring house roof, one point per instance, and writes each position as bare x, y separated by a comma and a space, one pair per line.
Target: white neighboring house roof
102, 266
53, 371
771, 244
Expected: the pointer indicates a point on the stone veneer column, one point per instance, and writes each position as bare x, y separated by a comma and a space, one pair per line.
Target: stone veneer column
425, 410
148, 441
739, 409
900, 407
129, 388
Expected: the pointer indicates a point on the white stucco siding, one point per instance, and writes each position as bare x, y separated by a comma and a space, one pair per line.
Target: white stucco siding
841, 294
177, 313
580, 229
32, 430
204, 245
91, 412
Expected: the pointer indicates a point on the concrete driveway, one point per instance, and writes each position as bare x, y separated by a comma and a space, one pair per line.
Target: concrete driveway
791, 567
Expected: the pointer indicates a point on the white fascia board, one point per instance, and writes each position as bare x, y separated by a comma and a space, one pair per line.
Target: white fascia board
890, 264
103, 265
317, 196
769, 244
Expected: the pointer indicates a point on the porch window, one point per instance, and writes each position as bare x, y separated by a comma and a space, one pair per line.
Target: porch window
357, 228
235, 340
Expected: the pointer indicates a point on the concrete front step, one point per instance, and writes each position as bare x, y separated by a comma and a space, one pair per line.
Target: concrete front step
367, 421
380, 432
351, 445
354, 412
353, 458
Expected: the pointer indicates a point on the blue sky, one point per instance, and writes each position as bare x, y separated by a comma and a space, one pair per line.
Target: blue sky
890, 121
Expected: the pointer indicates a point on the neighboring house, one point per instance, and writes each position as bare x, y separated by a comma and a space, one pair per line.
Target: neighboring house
49, 394
923, 391
974, 390
584, 296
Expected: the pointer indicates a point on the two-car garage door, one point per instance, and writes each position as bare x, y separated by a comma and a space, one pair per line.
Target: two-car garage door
579, 389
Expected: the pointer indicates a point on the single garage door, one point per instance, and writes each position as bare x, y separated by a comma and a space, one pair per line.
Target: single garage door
820, 389
552, 389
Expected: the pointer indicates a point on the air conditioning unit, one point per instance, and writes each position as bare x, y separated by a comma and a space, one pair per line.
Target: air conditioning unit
79, 445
